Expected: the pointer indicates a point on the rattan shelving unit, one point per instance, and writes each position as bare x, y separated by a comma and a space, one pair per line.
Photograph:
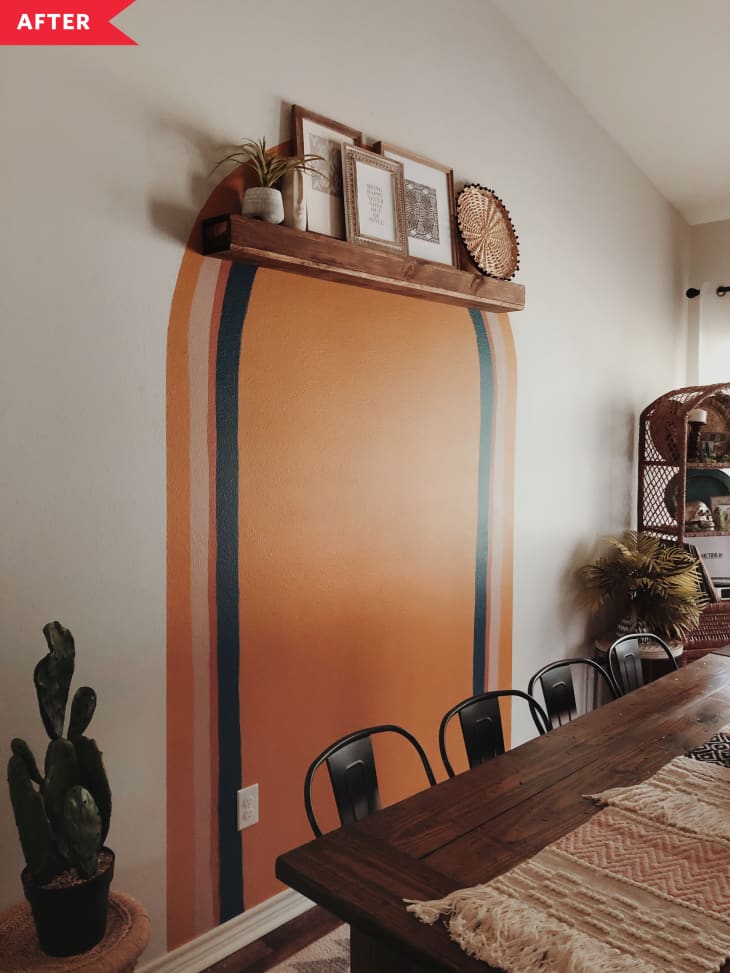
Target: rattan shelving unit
663, 466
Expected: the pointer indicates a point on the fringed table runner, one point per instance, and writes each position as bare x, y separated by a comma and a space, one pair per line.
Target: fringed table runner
643, 886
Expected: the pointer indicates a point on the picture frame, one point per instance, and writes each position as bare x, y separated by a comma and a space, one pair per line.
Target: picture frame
375, 213
323, 186
714, 447
714, 552
429, 203
720, 510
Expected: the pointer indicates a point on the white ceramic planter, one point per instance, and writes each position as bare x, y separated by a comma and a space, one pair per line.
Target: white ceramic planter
262, 203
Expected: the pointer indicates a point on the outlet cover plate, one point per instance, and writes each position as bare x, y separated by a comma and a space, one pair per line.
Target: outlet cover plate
247, 806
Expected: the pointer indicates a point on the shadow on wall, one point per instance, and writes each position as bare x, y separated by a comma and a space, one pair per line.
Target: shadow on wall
153, 160
175, 218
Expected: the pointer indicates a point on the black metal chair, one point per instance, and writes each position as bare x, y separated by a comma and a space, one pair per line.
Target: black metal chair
351, 765
624, 659
481, 725
555, 680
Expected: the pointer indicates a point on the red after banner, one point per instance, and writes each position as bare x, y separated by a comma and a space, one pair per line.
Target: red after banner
71, 22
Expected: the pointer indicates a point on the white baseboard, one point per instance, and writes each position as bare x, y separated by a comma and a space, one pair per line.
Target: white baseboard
225, 939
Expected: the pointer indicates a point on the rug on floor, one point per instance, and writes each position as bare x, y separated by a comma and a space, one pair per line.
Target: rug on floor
330, 954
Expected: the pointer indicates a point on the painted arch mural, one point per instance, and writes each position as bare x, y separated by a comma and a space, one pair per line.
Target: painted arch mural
340, 490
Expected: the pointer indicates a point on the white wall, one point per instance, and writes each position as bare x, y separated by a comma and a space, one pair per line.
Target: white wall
106, 154
709, 314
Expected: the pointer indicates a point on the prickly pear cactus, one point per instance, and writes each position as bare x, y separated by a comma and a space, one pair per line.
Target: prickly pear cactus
21, 749
63, 814
52, 677
30, 817
82, 709
62, 773
81, 830
92, 776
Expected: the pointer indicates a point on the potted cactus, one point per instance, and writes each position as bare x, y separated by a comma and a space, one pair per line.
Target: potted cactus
63, 814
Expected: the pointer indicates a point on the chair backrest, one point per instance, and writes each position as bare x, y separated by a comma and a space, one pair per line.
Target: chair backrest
481, 725
351, 765
624, 659
558, 688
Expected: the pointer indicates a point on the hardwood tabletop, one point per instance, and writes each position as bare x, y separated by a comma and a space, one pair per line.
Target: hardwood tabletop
473, 827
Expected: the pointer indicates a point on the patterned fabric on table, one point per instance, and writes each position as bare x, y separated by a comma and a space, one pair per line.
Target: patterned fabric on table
642, 886
716, 750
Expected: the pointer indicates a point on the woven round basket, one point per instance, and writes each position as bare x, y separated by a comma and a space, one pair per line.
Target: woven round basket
487, 232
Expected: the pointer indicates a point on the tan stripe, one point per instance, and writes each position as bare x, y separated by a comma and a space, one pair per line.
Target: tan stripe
198, 350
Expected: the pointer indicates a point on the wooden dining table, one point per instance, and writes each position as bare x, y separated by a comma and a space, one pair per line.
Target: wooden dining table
473, 827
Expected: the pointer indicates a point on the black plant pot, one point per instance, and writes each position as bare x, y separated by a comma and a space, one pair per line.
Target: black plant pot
70, 919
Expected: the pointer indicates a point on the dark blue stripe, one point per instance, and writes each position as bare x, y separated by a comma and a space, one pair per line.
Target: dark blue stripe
228, 354
486, 397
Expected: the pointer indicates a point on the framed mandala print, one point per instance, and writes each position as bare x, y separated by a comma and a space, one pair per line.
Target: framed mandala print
323, 196
429, 198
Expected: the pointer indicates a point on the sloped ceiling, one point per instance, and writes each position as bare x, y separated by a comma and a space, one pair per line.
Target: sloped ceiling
656, 75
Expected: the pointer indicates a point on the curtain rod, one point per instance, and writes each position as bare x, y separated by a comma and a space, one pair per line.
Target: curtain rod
721, 291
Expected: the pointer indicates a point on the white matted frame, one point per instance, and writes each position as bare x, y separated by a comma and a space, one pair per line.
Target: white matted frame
429, 202
374, 205
323, 194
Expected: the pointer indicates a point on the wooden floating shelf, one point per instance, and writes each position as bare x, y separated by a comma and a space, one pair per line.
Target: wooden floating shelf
239, 238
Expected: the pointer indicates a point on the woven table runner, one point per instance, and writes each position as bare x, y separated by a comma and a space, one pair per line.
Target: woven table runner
642, 886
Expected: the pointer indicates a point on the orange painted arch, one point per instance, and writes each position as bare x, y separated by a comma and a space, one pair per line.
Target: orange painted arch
339, 460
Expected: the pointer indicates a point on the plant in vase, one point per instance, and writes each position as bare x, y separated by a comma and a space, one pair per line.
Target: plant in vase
63, 814
649, 584
264, 201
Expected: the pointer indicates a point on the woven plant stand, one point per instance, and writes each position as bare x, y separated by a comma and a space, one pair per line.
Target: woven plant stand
127, 934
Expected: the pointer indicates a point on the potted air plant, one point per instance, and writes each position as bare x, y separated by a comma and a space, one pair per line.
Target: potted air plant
649, 584
63, 814
264, 201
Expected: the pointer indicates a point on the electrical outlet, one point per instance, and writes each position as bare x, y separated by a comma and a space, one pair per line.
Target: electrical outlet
248, 806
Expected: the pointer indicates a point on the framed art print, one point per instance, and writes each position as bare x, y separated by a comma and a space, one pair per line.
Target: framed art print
374, 205
323, 194
429, 203
720, 507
